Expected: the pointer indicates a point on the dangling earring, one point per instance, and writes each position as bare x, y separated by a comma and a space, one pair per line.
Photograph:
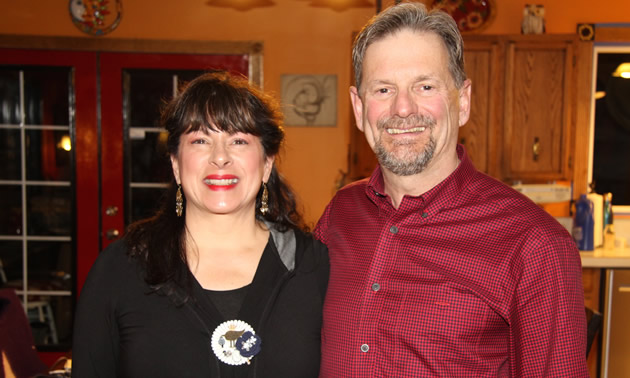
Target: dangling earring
263, 200
179, 201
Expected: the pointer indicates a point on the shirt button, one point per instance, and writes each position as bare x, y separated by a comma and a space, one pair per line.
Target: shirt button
376, 287
365, 348
425, 214
393, 229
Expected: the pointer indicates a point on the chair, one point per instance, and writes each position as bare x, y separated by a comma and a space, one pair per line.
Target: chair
38, 311
19, 355
41, 311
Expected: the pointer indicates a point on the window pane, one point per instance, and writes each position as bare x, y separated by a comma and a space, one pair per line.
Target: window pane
46, 155
11, 268
146, 91
149, 159
49, 210
9, 96
612, 129
10, 147
144, 202
49, 265
46, 95
11, 205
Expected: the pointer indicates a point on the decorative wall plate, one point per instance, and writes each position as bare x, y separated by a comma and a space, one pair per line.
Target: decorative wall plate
470, 15
95, 17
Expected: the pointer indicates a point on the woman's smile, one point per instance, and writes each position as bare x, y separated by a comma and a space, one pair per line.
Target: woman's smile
221, 182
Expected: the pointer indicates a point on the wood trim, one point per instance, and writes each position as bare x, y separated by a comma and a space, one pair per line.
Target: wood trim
584, 80
612, 33
508, 118
568, 113
253, 48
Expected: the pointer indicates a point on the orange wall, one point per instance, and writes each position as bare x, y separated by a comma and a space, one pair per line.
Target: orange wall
298, 39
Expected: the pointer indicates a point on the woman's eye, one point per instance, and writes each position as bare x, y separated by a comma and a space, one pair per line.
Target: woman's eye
198, 141
239, 141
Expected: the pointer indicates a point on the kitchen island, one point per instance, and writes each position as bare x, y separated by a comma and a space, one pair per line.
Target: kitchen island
606, 258
606, 279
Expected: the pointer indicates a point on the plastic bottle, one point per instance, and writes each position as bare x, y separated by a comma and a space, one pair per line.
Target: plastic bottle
583, 224
609, 229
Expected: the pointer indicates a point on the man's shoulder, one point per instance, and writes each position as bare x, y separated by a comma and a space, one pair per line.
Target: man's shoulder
355, 186
500, 197
350, 193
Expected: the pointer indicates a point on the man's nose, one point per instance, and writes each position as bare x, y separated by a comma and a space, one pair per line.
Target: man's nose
404, 104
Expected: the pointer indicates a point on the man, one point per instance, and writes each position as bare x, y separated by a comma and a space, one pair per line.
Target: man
436, 268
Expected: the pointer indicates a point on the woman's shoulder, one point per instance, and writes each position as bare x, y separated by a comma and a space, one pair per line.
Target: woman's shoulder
115, 259
309, 249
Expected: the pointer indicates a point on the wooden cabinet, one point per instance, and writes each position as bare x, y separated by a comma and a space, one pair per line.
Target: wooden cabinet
523, 112
538, 108
482, 59
524, 97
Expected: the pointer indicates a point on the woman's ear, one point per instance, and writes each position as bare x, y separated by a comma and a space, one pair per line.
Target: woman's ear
175, 166
269, 160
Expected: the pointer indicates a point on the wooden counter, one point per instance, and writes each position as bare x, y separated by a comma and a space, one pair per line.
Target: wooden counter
603, 258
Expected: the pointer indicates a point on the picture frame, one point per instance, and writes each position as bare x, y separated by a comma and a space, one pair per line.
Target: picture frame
309, 100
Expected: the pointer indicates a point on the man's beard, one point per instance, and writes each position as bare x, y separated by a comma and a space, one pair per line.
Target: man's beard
412, 161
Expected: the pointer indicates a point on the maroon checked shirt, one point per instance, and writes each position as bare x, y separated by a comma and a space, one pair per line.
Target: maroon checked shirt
470, 279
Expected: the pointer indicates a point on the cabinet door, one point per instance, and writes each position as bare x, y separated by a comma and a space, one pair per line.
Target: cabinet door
477, 135
537, 109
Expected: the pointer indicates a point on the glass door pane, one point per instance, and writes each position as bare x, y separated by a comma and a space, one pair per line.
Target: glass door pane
134, 89
145, 93
36, 191
48, 186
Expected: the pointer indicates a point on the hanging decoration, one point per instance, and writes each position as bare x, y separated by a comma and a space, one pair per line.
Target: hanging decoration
96, 17
472, 16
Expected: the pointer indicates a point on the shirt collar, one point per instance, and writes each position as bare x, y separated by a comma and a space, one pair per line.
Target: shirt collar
437, 197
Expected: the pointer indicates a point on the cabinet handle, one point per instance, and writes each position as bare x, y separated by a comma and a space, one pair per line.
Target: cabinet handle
624, 289
536, 148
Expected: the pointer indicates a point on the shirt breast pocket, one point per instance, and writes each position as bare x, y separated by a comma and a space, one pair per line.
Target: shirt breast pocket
440, 317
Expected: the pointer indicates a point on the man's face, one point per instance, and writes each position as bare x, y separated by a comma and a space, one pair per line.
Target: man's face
409, 107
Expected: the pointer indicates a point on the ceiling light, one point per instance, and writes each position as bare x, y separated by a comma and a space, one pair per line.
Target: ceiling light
623, 70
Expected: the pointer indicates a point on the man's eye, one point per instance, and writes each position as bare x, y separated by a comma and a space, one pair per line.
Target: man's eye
382, 90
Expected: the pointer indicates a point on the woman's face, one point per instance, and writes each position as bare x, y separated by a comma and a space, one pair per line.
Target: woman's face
220, 173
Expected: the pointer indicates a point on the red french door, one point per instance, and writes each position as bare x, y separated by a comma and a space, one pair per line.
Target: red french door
48, 185
83, 156
134, 165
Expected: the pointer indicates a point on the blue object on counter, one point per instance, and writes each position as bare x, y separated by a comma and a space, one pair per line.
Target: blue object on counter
583, 224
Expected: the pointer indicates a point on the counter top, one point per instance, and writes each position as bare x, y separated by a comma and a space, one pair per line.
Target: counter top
606, 258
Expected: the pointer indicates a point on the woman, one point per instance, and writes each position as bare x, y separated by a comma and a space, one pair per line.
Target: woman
223, 281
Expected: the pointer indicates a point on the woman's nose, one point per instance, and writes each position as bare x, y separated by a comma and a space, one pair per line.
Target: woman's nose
220, 156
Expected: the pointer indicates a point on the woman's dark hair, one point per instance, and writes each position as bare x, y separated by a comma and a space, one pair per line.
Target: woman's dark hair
221, 102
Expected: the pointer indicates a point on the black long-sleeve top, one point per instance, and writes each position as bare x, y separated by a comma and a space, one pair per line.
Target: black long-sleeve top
124, 329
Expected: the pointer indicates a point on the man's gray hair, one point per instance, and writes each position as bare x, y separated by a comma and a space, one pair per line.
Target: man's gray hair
415, 17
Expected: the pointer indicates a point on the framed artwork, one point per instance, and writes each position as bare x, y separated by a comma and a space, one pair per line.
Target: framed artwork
471, 15
309, 100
